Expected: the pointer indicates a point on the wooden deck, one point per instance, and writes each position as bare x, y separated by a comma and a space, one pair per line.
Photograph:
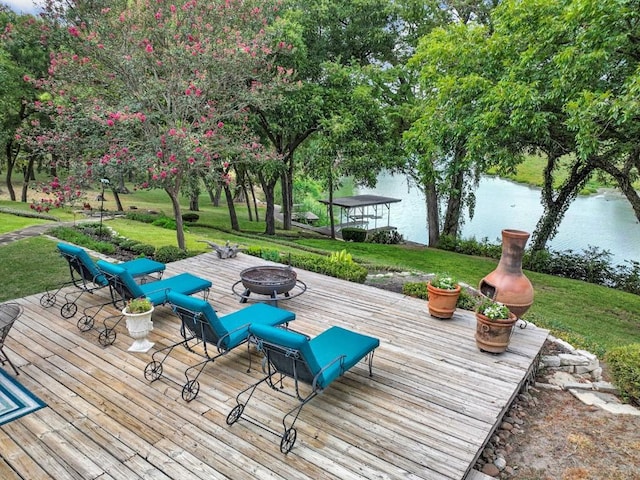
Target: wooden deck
433, 402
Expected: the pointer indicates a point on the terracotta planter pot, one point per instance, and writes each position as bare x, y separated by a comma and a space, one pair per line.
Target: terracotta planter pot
507, 284
442, 302
493, 335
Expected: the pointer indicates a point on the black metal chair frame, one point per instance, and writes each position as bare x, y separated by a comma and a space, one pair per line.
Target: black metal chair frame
278, 363
9, 313
81, 278
194, 328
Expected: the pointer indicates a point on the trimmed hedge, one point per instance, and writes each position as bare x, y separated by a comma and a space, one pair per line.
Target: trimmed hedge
350, 271
169, 253
352, 234
624, 365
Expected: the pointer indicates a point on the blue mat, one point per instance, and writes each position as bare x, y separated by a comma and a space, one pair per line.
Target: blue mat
15, 400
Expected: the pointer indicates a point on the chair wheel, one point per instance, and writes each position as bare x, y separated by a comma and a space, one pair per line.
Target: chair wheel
288, 439
48, 300
153, 371
85, 323
190, 390
68, 310
235, 414
107, 337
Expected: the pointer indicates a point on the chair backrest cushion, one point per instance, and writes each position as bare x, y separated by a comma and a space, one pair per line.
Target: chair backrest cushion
82, 263
288, 340
125, 285
198, 316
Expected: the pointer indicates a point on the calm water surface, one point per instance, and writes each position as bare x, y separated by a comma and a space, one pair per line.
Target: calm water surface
605, 220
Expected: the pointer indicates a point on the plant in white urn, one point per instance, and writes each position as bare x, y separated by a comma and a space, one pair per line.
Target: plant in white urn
138, 313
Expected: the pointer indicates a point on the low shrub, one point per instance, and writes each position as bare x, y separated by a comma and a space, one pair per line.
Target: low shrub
466, 300
385, 237
164, 222
341, 257
169, 253
624, 365
143, 249
350, 271
127, 243
415, 289
28, 214
352, 234
144, 217
190, 217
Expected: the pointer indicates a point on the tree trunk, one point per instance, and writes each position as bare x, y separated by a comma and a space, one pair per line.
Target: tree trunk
433, 214
622, 176
116, 197
254, 200
233, 217
287, 201
454, 206
555, 206
29, 175
268, 187
10, 163
177, 213
332, 222
194, 204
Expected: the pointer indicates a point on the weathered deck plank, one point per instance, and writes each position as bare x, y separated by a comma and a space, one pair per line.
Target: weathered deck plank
433, 401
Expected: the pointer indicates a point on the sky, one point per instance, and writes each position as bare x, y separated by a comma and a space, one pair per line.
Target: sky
21, 6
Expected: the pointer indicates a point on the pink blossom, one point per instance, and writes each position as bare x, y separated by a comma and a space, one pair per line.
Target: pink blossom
220, 124
149, 48
172, 131
163, 174
172, 8
26, 78
74, 31
159, 154
172, 158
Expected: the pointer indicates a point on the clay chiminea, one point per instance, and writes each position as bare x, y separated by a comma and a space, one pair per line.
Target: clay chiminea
507, 284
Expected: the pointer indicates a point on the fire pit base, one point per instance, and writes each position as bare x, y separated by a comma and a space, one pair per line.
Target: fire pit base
279, 283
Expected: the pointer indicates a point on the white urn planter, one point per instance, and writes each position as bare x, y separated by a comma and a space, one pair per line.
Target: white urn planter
139, 326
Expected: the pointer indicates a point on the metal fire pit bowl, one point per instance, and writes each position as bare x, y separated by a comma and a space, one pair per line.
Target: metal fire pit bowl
277, 282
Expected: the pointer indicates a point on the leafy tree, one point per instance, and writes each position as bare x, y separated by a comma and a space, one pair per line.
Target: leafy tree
328, 36
24, 56
557, 78
169, 84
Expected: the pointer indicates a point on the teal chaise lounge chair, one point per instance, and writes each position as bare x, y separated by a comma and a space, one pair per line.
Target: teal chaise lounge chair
124, 287
211, 335
86, 277
316, 362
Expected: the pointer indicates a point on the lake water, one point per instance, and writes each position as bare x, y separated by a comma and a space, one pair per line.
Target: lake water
605, 220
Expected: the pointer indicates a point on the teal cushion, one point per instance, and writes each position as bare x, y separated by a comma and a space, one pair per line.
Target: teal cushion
205, 312
237, 323
279, 336
134, 290
335, 342
142, 266
90, 271
184, 283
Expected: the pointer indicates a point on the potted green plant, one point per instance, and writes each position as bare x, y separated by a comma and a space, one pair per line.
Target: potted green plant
138, 313
443, 292
494, 325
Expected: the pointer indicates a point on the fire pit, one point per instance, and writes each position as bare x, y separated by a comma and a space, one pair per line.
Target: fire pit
276, 282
